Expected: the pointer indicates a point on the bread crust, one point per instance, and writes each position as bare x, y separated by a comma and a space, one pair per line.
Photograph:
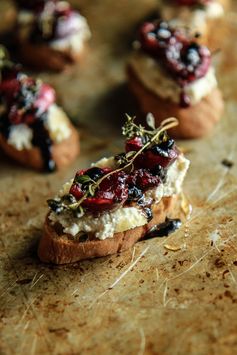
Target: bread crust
61, 249
63, 153
194, 122
43, 57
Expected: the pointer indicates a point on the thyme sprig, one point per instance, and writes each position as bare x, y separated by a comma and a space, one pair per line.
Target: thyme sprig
130, 129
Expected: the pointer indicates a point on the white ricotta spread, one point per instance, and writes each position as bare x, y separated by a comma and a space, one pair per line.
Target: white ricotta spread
154, 78
57, 123
20, 137
125, 218
196, 18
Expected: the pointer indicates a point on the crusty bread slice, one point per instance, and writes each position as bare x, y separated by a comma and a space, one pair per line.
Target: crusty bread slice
43, 57
194, 122
62, 153
59, 248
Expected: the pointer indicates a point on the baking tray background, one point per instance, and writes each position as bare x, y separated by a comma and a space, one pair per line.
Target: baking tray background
148, 300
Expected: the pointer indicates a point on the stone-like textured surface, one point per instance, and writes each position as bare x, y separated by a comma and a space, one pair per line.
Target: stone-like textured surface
161, 301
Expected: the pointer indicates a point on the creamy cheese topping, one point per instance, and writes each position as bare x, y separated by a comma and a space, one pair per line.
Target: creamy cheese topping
154, 78
196, 18
20, 137
124, 218
57, 123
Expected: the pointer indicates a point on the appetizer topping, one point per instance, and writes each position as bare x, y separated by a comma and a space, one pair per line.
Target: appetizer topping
184, 59
136, 171
25, 118
53, 21
112, 192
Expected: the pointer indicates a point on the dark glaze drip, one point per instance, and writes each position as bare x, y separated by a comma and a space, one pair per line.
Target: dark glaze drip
42, 140
164, 229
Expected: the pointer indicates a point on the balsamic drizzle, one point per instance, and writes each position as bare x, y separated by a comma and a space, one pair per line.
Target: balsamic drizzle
42, 140
164, 229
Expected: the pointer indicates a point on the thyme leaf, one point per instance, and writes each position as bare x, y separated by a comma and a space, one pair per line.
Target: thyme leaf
83, 179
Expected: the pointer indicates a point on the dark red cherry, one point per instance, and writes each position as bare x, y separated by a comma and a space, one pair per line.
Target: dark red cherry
143, 179
162, 154
111, 192
134, 144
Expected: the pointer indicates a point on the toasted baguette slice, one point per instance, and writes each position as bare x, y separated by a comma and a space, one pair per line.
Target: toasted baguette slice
194, 122
43, 57
62, 153
59, 248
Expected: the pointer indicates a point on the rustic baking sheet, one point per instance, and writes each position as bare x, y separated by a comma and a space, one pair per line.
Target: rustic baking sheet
149, 300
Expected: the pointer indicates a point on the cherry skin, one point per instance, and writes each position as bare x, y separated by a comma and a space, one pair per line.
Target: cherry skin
111, 192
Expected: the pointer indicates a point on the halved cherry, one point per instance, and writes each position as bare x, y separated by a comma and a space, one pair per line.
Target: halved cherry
134, 144
143, 179
112, 191
157, 155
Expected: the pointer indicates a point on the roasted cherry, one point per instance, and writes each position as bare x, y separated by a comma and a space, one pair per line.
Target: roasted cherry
143, 179
112, 190
134, 144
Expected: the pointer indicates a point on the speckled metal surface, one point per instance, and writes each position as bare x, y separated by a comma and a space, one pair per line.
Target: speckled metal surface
149, 300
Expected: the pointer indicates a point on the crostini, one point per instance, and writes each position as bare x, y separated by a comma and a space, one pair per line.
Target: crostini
171, 74
34, 130
107, 208
200, 16
50, 34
